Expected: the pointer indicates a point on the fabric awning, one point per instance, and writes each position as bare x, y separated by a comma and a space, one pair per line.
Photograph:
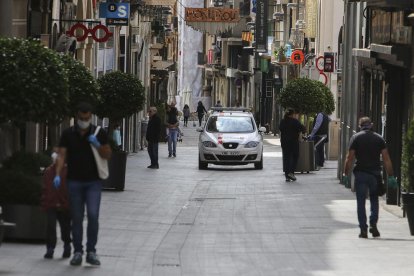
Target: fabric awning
160, 2
161, 64
212, 28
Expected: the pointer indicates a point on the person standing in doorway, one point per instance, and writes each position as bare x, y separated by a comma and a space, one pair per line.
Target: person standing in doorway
83, 182
290, 129
186, 114
173, 131
367, 147
153, 136
320, 132
200, 112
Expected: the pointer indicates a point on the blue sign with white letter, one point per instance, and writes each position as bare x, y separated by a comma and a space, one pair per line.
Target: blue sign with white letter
115, 13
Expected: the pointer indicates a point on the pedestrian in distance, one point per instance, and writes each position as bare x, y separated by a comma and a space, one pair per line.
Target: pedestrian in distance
172, 128
55, 203
218, 104
153, 136
367, 147
83, 181
200, 112
320, 131
186, 114
290, 129
116, 136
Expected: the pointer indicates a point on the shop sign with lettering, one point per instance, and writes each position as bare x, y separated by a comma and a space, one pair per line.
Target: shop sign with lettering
211, 15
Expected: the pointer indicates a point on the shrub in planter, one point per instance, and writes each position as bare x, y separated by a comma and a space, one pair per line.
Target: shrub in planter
122, 95
21, 188
20, 178
407, 175
308, 97
82, 85
33, 82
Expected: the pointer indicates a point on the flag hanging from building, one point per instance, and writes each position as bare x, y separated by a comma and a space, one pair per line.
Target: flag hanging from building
247, 36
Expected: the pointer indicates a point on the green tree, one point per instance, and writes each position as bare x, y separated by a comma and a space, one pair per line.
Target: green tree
122, 95
33, 82
82, 85
308, 97
407, 160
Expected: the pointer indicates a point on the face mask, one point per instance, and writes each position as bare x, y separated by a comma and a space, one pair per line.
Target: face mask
54, 156
84, 124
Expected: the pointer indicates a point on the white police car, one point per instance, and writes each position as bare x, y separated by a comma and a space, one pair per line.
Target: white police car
230, 137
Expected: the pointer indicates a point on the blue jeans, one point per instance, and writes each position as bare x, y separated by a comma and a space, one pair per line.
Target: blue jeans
153, 153
172, 140
83, 193
366, 182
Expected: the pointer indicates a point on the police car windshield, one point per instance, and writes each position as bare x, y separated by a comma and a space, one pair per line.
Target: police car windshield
223, 124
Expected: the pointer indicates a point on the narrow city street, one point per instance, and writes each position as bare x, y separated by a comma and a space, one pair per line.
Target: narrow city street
228, 221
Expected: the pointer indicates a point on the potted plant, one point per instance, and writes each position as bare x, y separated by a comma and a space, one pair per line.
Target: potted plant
280, 54
122, 95
407, 175
33, 82
308, 97
21, 187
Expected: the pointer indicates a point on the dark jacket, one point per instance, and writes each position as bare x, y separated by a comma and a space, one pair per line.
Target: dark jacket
200, 110
154, 129
172, 116
53, 198
290, 129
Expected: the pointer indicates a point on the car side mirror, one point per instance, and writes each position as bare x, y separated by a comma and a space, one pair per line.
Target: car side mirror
262, 129
199, 129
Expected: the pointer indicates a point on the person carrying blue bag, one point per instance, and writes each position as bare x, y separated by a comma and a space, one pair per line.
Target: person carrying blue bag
367, 147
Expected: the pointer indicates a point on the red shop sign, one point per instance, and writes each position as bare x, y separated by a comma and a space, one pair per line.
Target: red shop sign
93, 32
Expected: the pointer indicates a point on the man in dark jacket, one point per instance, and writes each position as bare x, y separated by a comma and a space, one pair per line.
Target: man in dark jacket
320, 131
153, 136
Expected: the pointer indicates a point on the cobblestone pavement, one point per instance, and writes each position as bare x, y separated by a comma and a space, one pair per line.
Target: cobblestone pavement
229, 221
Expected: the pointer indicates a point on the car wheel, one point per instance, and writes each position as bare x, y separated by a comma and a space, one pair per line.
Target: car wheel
259, 165
202, 165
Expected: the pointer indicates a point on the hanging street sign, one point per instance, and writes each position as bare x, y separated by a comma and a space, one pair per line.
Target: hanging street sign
115, 13
297, 57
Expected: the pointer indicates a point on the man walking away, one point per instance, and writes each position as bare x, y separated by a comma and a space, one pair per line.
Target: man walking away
366, 147
153, 136
320, 131
83, 182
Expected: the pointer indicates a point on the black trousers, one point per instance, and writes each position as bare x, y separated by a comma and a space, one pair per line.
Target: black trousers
200, 119
290, 152
64, 219
185, 120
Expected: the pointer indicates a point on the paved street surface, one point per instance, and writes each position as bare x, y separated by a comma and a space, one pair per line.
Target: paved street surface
229, 221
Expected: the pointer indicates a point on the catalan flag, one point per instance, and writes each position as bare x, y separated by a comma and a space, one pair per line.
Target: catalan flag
247, 36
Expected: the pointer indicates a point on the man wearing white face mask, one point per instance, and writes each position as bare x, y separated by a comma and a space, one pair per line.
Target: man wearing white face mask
83, 182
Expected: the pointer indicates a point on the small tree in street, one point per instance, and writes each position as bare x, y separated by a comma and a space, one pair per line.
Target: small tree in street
82, 85
122, 95
33, 83
308, 97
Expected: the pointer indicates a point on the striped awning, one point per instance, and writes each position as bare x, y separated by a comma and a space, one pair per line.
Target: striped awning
160, 2
212, 28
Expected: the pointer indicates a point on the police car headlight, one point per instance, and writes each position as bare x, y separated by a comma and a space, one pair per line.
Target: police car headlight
209, 144
251, 144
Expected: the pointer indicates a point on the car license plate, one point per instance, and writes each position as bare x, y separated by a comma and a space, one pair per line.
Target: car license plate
230, 153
